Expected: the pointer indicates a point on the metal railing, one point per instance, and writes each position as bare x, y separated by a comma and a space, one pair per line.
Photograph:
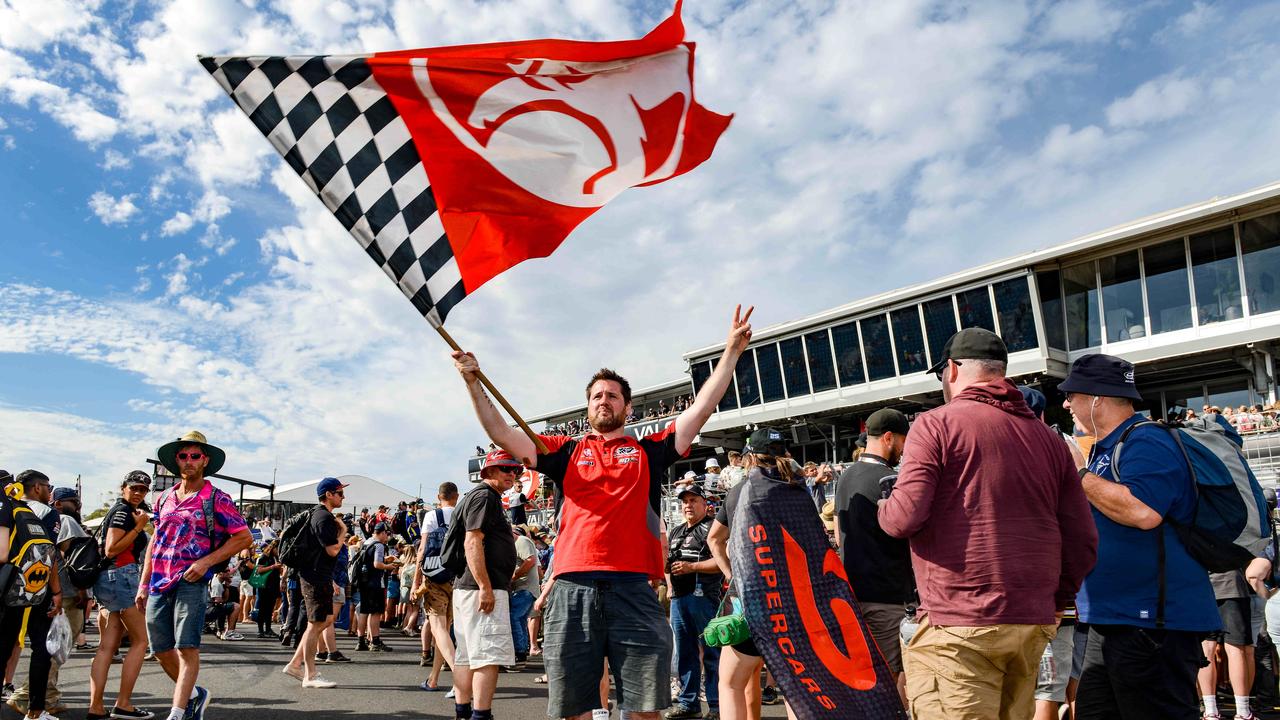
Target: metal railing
1262, 450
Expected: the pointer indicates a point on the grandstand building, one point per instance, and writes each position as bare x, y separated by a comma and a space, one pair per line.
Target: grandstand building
1191, 296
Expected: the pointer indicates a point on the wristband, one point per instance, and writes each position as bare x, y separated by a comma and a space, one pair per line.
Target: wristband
1082, 472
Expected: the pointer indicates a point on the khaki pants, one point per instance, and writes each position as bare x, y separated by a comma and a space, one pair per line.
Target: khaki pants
53, 696
974, 673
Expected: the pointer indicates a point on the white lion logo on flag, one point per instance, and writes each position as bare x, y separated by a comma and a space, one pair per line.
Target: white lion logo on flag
577, 134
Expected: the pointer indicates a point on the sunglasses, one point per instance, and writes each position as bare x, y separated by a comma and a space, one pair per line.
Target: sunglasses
944, 369
511, 469
139, 488
190, 456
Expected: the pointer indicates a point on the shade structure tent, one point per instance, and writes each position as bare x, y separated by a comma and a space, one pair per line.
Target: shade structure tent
361, 492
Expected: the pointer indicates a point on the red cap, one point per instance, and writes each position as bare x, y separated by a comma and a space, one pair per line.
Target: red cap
500, 458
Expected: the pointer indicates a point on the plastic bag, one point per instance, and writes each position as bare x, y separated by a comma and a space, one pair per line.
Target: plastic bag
59, 640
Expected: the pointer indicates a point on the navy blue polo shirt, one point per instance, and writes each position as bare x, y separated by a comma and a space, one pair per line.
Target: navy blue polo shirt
1123, 587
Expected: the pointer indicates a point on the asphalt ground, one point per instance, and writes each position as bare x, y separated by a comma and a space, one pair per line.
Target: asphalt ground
245, 681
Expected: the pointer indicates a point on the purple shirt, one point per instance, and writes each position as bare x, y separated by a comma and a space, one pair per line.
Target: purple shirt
181, 538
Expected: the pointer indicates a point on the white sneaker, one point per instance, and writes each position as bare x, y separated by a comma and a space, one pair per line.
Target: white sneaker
600, 714
319, 682
292, 672
44, 715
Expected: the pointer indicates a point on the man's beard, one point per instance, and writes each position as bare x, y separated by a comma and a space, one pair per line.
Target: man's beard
605, 425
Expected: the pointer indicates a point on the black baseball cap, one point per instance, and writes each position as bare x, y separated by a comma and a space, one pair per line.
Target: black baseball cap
1101, 375
768, 441
972, 344
694, 489
887, 420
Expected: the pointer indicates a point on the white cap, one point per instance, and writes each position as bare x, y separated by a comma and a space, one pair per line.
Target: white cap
713, 463
691, 475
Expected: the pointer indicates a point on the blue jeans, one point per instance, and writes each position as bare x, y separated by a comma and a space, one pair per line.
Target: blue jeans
521, 604
689, 617
175, 618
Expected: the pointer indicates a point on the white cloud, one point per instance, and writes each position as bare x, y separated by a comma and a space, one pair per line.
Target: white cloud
1158, 100
1082, 21
176, 225
113, 160
9, 142
177, 281
32, 24
112, 210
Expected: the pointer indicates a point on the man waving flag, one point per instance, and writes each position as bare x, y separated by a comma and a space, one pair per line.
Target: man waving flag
451, 165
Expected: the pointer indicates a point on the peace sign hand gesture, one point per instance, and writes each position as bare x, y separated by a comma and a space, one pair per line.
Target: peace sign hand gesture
740, 330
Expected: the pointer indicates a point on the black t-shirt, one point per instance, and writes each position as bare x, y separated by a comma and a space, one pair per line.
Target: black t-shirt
325, 527
120, 517
879, 566
481, 509
689, 544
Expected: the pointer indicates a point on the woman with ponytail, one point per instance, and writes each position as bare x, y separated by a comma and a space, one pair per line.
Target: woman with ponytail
770, 470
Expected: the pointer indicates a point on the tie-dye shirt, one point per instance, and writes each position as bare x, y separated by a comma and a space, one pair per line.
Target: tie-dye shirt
181, 537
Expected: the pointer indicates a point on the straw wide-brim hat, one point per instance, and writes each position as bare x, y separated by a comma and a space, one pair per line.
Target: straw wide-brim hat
828, 515
168, 453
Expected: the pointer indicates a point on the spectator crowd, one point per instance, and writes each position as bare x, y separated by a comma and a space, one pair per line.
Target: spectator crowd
1002, 571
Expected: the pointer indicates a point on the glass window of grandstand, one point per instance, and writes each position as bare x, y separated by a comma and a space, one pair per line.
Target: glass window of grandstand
909, 340
1080, 296
975, 309
730, 399
1168, 290
1190, 398
939, 324
793, 367
848, 354
821, 368
770, 373
1049, 285
1122, 296
700, 372
1260, 244
1216, 275
1013, 308
745, 375
875, 339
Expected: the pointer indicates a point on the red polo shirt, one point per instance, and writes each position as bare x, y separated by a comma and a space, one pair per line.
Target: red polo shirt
610, 500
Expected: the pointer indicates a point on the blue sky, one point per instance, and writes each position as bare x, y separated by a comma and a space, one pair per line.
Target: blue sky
162, 270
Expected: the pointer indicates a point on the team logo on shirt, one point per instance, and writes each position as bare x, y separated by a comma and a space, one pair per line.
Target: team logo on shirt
1101, 465
627, 454
586, 453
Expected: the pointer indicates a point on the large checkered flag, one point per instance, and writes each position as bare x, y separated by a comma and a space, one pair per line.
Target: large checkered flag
451, 165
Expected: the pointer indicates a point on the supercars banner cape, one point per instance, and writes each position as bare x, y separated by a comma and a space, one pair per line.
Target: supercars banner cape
802, 613
451, 165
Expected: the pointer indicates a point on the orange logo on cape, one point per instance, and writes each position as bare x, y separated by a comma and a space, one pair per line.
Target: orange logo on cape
36, 577
855, 669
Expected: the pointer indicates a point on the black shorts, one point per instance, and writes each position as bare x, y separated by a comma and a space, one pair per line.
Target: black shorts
1237, 622
1133, 672
233, 595
317, 598
373, 600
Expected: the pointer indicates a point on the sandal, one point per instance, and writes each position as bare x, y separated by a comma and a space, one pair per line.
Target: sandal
541, 680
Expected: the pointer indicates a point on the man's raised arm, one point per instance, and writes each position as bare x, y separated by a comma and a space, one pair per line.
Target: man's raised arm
689, 423
513, 440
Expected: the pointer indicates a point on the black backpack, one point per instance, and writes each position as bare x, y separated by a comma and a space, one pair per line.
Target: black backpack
431, 561
85, 561
24, 579
362, 570
299, 546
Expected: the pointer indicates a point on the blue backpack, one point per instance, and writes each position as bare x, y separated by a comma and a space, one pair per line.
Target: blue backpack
431, 563
1230, 525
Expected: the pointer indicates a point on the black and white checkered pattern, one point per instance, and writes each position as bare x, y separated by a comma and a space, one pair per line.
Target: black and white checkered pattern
336, 127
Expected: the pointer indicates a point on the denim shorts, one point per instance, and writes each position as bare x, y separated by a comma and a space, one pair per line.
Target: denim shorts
175, 618
117, 587
587, 621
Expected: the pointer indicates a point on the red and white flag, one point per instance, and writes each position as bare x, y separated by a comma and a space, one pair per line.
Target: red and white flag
451, 165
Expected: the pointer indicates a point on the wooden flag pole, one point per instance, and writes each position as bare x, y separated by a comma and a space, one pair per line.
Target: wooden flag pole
537, 441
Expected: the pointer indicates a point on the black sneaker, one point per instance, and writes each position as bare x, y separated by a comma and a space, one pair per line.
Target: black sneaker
336, 656
322, 657
7, 692
197, 704
362, 646
680, 712
380, 647
425, 661
769, 695
134, 714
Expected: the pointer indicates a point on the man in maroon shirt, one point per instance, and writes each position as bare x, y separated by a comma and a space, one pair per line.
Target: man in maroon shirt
1001, 538
609, 488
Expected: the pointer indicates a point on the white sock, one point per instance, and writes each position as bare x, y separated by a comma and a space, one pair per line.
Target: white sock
193, 693
1242, 706
1210, 704
177, 713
